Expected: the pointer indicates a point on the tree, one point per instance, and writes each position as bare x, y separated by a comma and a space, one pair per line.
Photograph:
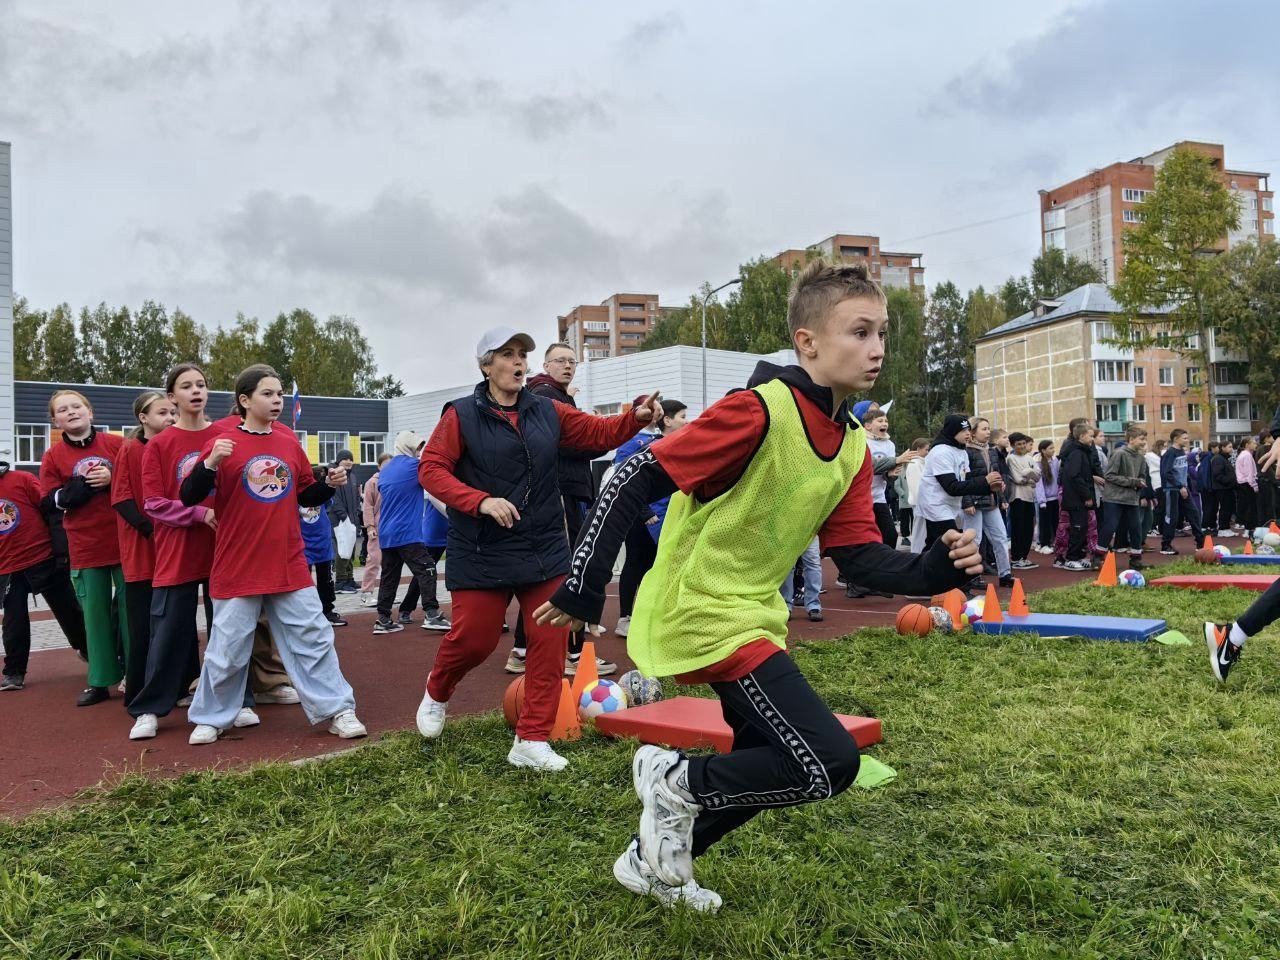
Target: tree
64, 362
1245, 310
1015, 296
1054, 273
1169, 263
150, 351
902, 377
28, 341
188, 340
231, 350
756, 311
949, 361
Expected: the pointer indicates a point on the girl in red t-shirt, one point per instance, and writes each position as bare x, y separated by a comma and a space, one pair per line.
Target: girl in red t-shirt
259, 477
154, 413
76, 472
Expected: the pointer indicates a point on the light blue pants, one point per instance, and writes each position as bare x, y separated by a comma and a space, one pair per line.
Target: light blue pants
990, 523
811, 564
305, 640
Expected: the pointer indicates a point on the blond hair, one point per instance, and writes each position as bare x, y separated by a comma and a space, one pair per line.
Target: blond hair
820, 286
53, 400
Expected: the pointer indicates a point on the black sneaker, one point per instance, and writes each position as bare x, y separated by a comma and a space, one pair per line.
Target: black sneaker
1135, 562
1222, 652
387, 625
855, 592
406, 618
336, 620
436, 621
815, 616
13, 681
1007, 581
91, 695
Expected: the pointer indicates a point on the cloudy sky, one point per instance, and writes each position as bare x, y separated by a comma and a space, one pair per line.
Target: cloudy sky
433, 168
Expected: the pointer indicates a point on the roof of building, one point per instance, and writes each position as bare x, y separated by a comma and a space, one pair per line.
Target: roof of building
1092, 298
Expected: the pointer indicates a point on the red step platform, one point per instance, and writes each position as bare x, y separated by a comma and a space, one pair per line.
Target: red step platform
1214, 581
690, 722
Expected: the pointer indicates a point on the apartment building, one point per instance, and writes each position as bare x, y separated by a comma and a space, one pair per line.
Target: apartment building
1087, 217
614, 328
1038, 371
890, 268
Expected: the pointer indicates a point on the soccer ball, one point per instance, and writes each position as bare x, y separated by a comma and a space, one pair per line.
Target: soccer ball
1266, 550
1221, 551
639, 688
1131, 578
973, 608
941, 620
603, 696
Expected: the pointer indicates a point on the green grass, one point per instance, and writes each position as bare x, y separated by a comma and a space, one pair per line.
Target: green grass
1056, 798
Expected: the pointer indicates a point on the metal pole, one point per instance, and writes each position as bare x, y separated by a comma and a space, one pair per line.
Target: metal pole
709, 295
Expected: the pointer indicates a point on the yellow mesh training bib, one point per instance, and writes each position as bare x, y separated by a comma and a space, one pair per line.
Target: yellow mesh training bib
715, 583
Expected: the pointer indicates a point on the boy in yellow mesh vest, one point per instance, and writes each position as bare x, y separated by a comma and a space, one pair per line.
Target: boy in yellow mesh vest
754, 479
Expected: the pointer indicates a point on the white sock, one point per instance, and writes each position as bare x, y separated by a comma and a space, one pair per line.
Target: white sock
519, 652
1237, 636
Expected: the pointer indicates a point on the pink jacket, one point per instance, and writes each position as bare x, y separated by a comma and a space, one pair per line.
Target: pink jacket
1247, 469
372, 501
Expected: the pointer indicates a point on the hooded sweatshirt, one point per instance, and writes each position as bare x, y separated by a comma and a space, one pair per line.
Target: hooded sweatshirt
1127, 476
946, 475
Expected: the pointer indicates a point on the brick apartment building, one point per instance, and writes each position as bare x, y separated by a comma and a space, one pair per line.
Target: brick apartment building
1038, 371
615, 328
1087, 217
891, 269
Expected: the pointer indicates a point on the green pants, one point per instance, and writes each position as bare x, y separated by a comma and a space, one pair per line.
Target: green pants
106, 624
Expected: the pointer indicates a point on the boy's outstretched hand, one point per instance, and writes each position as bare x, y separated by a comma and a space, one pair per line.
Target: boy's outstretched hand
963, 551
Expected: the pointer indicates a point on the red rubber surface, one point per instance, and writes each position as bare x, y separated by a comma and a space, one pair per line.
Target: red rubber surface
1209, 581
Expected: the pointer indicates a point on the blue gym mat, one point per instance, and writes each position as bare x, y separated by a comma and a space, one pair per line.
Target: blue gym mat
1252, 559
1124, 629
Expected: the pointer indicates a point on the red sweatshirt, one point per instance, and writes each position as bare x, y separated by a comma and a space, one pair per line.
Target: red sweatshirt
137, 555
24, 536
183, 543
91, 528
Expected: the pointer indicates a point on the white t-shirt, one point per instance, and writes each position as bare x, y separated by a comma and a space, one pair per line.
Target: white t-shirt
879, 447
915, 470
934, 502
1153, 468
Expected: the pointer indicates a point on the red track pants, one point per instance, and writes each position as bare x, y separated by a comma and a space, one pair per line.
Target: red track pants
477, 628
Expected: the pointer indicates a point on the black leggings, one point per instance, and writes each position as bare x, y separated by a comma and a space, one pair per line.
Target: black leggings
137, 602
884, 520
1022, 522
54, 584
1247, 507
934, 529
1263, 612
788, 749
325, 585
1047, 520
641, 552
1226, 507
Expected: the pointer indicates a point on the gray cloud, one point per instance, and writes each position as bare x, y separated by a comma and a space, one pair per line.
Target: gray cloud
1142, 58
652, 31
537, 116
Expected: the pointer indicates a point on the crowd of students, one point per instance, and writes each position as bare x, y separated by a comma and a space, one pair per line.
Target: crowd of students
233, 514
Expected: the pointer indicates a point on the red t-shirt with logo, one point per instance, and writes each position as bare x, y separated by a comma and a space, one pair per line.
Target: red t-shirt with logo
183, 554
137, 556
91, 528
258, 548
24, 536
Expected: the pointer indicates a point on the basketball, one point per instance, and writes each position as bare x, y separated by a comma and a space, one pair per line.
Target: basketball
513, 701
914, 618
1206, 555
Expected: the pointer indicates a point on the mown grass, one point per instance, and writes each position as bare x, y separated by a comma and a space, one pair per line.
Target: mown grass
1056, 798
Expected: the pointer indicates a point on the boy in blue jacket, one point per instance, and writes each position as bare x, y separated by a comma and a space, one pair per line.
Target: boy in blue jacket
317, 541
1178, 505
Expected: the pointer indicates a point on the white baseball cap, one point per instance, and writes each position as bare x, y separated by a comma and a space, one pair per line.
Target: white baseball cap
496, 338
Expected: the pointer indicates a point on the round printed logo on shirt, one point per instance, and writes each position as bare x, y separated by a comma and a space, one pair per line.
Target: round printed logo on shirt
85, 464
187, 464
309, 514
10, 517
266, 478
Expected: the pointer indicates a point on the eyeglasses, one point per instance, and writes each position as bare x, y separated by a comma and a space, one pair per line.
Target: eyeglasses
569, 360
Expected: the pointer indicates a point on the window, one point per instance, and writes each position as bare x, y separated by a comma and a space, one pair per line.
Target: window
1193, 413
1140, 413
1139, 375
1111, 371
1166, 376
1132, 195
1225, 373
1055, 240
608, 409
1253, 203
631, 307
1132, 216
330, 445
596, 325
1266, 204
31, 440
302, 438
1107, 412
1055, 219
849, 251
597, 354
1234, 408
1103, 331
1166, 413
371, 447
1268, 226
1193, 376
101, 428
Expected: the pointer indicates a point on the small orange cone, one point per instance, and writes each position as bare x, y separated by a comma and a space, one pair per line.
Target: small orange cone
1208, 542
991, 606
1018, 602
1107, 576
587, 673
567, 726
953, 603
1248, 546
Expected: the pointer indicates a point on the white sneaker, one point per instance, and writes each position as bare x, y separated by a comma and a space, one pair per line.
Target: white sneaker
666, 825
246, 718
347, 726
284, 693
536, 755
632, 872
1221, 534
623, 626
368, 599
144, 728
184, 702
203, 733
431, 716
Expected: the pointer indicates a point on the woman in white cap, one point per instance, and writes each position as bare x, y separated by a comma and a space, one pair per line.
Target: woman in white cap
492, 461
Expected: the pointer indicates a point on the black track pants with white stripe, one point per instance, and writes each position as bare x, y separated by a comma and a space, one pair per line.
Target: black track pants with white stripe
788, 749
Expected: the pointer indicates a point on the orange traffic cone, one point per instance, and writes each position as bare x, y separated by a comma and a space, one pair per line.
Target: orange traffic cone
953, 603
1208, 542
587, 673
1273, 527
567, 726
1248, 546
991, 606
1107, 576
1018, 602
